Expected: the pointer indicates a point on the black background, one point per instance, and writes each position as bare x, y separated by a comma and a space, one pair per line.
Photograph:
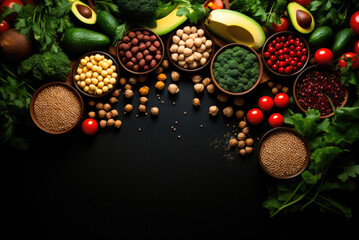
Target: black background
149, 184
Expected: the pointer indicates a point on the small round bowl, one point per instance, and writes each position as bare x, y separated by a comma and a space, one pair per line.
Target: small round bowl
279, 34
74, 72
141, 72
319, 67
260, 65
283, 129
34, 96
207, 34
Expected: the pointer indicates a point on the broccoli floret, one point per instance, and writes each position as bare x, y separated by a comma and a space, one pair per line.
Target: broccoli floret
220, 58
243, 80
251, 58
232, 64
235, 89
241, 68
253, 72
240, 85
226, 66
233, 73
216, 65
139, 12
236, 48
46, 66
246, 87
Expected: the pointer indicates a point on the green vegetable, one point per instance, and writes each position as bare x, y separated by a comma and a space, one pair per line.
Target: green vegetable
342, 40
81, 40
331, 164
47, 66
321, 36
194, 10
45, 23
138, 12
107, 23
15, 96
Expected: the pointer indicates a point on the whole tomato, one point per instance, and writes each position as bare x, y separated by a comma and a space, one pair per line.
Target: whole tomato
265, 103
349, 55
356, 47
323, 56
89, 126
4, 26
254, 116
275, 120
354, 22
281, 100
302, 2
283, 26
9, 3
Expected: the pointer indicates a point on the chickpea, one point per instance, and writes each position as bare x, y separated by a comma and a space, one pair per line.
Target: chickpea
196, 102
213, 111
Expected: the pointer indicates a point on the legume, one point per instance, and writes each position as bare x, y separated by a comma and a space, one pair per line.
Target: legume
283, 153
57, 108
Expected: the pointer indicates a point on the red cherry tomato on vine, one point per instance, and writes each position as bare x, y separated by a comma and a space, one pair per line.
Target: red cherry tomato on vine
283, 26
281, 100
356, 47
265, 103
254, 116
89, 126
276, 120
349, 55
4, 26
323, 56
302, 2
354, 22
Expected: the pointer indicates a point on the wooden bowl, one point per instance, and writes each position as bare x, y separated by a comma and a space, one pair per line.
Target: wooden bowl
207, 34
281, 129
158, 63
279, 34
260, 65
319, 67
72, 89
74, 72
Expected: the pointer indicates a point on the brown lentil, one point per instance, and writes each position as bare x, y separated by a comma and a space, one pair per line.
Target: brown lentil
283, 153
57, 108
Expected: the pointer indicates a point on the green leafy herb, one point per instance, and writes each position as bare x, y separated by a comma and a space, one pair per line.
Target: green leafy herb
194, 11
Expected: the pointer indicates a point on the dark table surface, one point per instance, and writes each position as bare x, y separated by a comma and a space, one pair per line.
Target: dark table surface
149, 184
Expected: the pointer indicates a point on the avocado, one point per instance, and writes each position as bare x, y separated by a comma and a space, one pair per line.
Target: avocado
235, 27
83, 12
107, 23
169, 22
81, 40
302, 20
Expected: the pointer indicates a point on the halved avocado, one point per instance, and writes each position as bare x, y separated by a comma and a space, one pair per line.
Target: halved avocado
301, 18
83, 12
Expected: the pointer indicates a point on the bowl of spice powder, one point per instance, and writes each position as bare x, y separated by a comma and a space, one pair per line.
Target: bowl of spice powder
283, 153
56, 107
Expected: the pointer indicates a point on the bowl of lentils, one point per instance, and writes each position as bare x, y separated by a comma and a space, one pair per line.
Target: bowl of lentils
283, 153
236, 69
56, 107
285, 54
140, 51
319, 87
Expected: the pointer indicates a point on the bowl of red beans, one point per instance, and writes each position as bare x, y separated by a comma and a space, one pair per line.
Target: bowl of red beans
285, 54
319, 87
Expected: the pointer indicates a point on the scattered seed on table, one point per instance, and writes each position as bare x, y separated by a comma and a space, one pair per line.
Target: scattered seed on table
179, 136
185, 113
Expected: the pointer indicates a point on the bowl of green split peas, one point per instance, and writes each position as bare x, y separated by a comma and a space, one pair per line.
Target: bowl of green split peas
236, 69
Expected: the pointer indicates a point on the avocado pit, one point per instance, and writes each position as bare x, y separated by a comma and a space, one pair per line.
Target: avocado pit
303, 18
84, 11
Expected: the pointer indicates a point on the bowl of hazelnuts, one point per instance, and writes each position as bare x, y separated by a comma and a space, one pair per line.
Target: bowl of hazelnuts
140, 51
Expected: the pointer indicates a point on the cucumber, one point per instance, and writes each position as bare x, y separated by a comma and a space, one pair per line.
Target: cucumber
81, 40
321, 36
107, 23
342, 40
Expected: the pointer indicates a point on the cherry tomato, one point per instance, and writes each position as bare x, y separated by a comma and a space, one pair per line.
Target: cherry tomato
214, 4
281, 100
283, 26
89, 126
323, 56
4, 26
275, 120
354, 22
255, 116
10, 3
349, 55
356, 47
265, 103
303, 2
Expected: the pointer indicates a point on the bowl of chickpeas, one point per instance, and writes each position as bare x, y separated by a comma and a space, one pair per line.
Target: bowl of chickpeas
190, 48
96, 74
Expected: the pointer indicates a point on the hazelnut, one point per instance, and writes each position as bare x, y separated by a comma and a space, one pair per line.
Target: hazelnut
196, 102
173, 88
213, 111
228, 111
198, 87
154, 111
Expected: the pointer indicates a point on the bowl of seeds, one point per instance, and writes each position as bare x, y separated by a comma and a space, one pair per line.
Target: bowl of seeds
283, 153
56, 107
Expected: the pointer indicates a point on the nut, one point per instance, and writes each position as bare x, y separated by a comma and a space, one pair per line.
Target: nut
173, 88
